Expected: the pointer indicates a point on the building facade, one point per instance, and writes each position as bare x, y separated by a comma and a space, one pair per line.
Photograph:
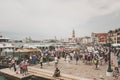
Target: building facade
99, 38
85, 40
114, 36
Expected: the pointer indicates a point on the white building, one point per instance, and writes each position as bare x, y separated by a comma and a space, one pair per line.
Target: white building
85, 40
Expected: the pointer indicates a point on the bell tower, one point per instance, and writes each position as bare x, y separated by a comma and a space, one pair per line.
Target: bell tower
73, 34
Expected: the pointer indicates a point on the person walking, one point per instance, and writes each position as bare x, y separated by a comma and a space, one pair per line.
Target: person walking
48, 58
23, 67
41, 61
56, 61
26, 68
20, 65
96, 64
76, 58
116, 73
118, 59
13, 64
67, 58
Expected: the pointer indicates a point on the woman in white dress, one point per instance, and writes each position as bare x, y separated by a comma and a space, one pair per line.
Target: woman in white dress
67, 59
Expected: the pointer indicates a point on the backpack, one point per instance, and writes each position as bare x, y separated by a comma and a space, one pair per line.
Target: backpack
24, 67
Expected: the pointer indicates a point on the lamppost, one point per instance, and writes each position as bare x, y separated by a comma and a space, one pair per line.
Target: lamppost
13, 52
109, 70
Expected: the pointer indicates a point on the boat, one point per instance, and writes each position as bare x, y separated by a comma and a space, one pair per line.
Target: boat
6, 47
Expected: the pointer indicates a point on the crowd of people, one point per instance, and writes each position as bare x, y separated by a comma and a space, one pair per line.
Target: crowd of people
90, 55
94, 55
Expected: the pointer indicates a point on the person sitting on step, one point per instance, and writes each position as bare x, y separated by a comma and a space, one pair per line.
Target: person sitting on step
56, 73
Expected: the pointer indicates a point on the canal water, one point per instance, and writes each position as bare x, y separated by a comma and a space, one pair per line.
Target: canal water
3, 77
7, 77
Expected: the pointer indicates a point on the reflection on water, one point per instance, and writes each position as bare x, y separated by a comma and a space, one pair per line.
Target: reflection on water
2, 77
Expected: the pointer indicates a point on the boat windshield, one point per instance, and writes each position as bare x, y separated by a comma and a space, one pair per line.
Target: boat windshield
4, 40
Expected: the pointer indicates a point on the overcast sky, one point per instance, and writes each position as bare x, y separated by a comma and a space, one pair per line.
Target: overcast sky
44, 19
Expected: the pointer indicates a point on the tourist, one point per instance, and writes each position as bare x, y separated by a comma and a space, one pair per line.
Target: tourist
21, 67
13, 64
76, 57
56, 61
71, 56
30, 58
41, 61
86, 57
83, 57
26, 68
56, 73
116, 73
34, 59
80, 56
97, 64
48, 58
67, 59
118, 59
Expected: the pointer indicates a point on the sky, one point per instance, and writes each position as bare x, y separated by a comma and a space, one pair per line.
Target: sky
45, 19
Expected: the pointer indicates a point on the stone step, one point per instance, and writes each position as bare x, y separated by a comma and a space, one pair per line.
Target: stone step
48, 74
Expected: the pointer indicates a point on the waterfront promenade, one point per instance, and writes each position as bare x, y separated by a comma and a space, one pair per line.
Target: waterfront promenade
33, 71
14, 75
81, 71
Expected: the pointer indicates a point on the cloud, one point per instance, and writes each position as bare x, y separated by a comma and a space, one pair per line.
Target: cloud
49, 18
104, 7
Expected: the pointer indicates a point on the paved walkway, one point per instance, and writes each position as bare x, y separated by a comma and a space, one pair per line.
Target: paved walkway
80, 70
48, 74
11, 73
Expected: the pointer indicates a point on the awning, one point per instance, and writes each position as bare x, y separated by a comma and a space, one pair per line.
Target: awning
28, 50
